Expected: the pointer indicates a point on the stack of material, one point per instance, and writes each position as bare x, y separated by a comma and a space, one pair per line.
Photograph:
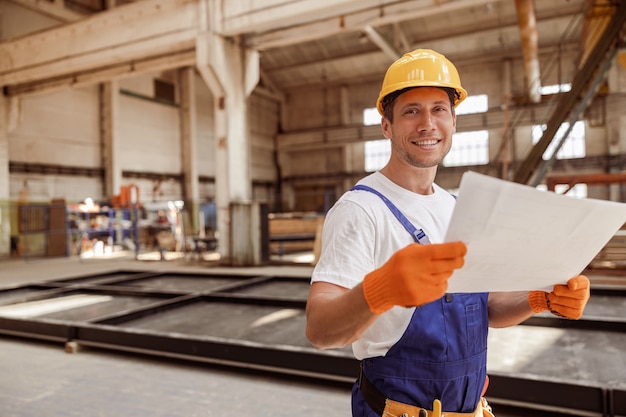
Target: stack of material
613, 255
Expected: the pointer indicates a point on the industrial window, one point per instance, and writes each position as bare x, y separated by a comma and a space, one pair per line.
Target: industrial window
574, 145
376, 151
468, 148
473, 104
577, 191
377, 154
371, 117
555, 88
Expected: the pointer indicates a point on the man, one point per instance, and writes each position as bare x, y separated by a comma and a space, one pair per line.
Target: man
381, 279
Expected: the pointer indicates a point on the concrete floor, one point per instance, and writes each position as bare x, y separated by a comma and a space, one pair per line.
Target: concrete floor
40, 379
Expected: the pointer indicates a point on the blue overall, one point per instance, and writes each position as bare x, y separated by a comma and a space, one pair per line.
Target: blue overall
442, 355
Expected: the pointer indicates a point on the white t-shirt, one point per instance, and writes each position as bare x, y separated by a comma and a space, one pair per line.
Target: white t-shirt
360, 234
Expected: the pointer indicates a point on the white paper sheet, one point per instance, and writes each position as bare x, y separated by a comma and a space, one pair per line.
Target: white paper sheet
519, 238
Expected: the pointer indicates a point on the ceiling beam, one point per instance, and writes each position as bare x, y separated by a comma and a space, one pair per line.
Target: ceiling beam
380, 41
124, 34
245, 17
455, 47
54, 9
129, 69
382, 13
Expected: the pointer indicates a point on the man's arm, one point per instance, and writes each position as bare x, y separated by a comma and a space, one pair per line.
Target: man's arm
508, 308
335, 315
413, 276
568, 301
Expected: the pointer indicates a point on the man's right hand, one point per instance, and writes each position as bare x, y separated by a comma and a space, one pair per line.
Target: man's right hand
413, 276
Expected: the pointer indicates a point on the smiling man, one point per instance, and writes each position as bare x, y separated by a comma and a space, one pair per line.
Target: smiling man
380, 282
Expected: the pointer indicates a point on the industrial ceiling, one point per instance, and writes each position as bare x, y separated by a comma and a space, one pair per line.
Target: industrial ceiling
300, 42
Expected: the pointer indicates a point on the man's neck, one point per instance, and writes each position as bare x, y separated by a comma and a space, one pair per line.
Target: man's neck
417, 180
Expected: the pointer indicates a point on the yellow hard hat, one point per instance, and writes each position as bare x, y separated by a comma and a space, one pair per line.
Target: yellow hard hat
421, 68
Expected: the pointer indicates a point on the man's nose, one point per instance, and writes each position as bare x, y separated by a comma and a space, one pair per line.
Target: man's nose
425, 121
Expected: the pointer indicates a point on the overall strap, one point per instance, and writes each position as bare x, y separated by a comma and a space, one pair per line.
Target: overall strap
418, 234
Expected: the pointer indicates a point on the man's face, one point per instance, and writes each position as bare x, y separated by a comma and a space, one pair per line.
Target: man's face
422, 128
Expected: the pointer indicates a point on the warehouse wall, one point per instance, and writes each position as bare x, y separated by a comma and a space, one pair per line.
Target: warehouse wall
322, 156
340, 168
60, 129
60, 133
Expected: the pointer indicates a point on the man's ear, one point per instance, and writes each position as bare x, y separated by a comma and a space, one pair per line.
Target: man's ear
386, 127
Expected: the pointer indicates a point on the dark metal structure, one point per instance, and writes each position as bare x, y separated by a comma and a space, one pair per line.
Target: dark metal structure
572, 104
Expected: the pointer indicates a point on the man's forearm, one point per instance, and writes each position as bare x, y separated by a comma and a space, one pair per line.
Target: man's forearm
336, 317
508, 308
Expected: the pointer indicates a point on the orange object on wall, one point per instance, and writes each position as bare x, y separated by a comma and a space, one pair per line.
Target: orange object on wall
128, 197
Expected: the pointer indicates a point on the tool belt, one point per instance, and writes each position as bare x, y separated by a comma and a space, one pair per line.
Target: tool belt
385, 407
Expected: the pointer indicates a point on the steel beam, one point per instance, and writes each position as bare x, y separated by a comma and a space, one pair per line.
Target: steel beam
568, 101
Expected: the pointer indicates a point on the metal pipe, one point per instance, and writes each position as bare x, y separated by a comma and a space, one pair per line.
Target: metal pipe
529, 36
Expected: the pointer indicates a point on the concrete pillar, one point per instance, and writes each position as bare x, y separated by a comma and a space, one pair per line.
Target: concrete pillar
109, 118
231, 72
250, 230
233, 151
615, 138
189, 136
5, 220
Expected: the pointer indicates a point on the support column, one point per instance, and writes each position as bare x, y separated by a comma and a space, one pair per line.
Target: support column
229, 61
615, 137
5, 219
189, 136
109, 118
348, 150
231, 72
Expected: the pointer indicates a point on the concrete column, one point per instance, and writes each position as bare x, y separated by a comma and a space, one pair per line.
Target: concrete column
5, 220
189, 136
229, 64
233, 151
615, 138
109, 111
231, 72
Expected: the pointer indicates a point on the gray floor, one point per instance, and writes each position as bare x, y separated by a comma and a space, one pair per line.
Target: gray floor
40, 379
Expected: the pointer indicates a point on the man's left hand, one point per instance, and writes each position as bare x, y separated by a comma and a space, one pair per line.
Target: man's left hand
565, 300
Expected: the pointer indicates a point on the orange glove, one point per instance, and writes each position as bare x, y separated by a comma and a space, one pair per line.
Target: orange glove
565, 300
413, 276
